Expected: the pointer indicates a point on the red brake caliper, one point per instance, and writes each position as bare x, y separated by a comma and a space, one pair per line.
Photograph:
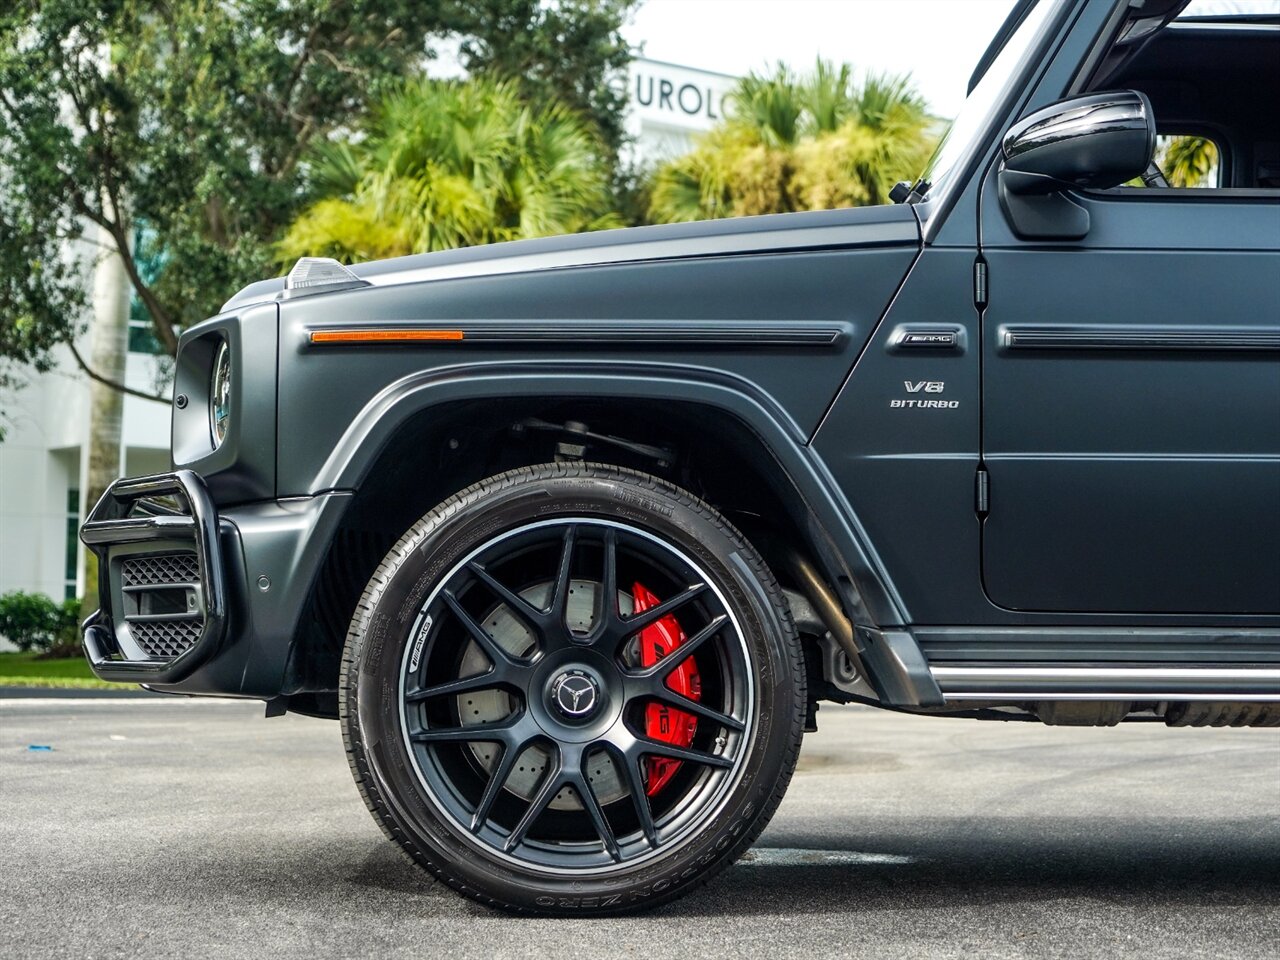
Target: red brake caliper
661, 722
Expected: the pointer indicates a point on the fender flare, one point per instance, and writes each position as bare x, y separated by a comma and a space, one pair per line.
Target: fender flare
841, 545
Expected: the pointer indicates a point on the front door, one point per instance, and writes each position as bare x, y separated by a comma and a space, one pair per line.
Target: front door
1131, 408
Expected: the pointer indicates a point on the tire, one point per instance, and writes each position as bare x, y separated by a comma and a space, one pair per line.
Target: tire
625, 776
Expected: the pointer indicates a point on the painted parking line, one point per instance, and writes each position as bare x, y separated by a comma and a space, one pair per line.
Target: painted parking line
798, 857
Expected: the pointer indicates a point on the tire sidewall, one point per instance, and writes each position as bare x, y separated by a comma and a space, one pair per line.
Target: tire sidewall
431, 549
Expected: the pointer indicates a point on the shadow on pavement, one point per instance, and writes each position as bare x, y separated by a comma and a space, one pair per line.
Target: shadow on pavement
960, 864
957, 864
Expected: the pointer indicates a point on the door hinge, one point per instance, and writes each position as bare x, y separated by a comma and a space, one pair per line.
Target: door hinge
983, 492
979, 283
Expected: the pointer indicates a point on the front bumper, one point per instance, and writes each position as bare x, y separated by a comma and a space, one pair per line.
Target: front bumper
160, 580
198, 601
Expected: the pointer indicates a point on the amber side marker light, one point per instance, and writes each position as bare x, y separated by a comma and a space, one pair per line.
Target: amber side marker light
382, 336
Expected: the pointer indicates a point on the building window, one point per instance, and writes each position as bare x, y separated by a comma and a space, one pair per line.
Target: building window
73, 542
142, 337
150, 262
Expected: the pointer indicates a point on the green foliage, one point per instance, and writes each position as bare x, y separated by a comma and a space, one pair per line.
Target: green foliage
31, 621
770, 109
441, 164
39, 287
566, 52
39, 670
1188, 161
794, 142
190, 120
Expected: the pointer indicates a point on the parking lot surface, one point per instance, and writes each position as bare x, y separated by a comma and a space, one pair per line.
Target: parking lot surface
158, 827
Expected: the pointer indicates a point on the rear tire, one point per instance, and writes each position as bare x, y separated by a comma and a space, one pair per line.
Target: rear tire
571, 776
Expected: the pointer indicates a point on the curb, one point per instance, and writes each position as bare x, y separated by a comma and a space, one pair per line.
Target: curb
78, 693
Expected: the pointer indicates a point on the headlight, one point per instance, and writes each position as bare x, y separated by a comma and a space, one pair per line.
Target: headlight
220, 395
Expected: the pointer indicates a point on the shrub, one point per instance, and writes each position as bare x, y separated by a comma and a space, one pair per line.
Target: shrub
66, 642
32, 621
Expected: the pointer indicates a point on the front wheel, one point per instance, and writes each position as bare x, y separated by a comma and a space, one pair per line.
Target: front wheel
572, 689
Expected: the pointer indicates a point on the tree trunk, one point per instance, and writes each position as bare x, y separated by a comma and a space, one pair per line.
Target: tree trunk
109, 350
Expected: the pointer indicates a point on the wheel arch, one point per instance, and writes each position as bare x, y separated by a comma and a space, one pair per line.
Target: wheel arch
438, 431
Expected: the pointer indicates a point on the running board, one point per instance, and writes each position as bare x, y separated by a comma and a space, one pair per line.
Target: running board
1107, 683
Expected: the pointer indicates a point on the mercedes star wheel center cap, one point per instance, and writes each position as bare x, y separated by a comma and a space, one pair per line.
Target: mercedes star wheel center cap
575, 694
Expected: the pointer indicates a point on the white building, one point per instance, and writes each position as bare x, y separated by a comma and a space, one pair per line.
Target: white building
670, 105
43, 459
43, 465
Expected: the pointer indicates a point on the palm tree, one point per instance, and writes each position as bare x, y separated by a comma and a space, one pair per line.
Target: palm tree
830, 96
792, 142
442, 164
1188, 161
770, 108
109, 352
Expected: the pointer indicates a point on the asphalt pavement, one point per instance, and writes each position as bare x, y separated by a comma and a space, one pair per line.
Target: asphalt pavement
175, 828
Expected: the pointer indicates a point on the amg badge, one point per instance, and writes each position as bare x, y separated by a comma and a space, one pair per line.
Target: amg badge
417, 645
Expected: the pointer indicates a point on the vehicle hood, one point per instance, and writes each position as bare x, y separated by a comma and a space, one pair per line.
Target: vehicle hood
823, 229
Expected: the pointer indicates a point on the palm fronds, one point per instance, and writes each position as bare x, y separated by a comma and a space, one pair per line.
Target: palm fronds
442, 164
800, 142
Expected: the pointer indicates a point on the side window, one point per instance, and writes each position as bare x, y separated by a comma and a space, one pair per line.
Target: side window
1213, 78
1189, 161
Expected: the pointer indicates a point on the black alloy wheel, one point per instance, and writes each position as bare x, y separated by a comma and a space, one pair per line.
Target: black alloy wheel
561, 691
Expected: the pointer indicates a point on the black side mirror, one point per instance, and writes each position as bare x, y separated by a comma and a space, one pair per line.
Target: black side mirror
1097, 141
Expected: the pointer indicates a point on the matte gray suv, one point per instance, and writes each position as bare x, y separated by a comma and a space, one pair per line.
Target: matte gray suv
573, 535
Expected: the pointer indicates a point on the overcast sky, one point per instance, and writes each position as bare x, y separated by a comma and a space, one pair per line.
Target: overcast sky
938, 41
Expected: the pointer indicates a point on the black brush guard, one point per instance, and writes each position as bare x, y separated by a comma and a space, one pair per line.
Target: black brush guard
130, 525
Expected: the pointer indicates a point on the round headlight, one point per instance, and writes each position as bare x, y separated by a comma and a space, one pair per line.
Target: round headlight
220, 395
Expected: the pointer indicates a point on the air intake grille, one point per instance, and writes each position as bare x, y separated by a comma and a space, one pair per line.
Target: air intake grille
165, 639
161, 606
173, 568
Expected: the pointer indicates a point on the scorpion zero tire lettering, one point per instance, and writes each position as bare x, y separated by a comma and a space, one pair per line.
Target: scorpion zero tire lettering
594, 705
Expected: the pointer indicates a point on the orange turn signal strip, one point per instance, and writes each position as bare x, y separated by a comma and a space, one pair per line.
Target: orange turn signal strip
382, 335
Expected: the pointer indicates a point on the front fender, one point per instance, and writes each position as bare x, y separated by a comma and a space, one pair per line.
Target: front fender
780, 436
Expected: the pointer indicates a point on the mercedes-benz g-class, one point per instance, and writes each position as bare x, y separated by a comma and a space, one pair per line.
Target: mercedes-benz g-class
573, 535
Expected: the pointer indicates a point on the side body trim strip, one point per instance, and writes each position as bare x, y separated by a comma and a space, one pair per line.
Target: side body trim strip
1107, 337
589, 333
1107, 683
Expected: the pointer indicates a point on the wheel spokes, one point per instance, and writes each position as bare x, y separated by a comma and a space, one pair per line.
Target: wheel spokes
479, 681
629, 763
566, 767
497, 780
637, 622
533, 618
496, 654
666, 695
475, 733
683, 652
548, 561
660, 748
606, 614
581, 783
559, 604
615, 629
551, 783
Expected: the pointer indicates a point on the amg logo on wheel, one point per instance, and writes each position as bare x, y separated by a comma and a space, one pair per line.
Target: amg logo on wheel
928, 386
417, 644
